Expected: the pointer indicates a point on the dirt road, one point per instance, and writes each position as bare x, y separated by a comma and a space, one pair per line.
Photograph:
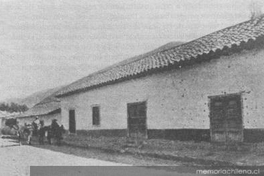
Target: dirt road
16, 160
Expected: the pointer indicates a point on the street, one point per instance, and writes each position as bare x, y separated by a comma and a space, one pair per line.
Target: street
15, 159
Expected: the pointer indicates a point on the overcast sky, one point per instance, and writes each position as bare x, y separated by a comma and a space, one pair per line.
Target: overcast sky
48, 43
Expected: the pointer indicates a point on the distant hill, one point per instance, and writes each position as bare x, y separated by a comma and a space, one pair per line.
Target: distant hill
47, 95
34, 98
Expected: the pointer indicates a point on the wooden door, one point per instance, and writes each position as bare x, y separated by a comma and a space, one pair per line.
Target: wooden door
137, 120
234, 123
72, 122
226, 119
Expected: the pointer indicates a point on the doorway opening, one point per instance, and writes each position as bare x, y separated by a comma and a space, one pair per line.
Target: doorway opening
72, 121
226, 122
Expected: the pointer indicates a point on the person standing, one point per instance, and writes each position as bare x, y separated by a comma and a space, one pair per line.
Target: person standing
41, 132
32, 127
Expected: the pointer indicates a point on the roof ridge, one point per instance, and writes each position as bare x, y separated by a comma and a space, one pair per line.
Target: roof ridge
256, 19
121, 63
235, 34
183, 44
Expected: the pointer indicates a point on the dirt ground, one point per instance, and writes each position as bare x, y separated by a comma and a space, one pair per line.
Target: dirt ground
135, 160
185, 152
21, 157
161, 152
16, 160
169, 165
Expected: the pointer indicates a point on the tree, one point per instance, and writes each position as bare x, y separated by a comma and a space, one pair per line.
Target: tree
13, 107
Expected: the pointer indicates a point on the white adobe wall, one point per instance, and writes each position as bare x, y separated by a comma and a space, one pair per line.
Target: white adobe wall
179, 98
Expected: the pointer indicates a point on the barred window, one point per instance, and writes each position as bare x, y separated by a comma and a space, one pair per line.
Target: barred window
96, 115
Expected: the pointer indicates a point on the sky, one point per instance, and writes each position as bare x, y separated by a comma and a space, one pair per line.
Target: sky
49, 43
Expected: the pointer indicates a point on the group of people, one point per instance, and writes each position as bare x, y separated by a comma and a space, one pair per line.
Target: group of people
37, 128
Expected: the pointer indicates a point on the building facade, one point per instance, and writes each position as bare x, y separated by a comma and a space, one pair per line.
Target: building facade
211, 88
46, 110
46, 118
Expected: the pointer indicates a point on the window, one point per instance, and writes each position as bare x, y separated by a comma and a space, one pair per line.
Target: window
96, 115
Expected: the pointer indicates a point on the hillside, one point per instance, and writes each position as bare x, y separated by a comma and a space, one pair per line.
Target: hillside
46, 95
34, 98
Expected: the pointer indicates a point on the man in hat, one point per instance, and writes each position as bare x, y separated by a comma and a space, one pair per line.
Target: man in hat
54, 124
33, 127
54, 127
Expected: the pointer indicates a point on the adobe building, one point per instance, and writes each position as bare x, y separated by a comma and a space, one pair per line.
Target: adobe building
46, 110
211, 88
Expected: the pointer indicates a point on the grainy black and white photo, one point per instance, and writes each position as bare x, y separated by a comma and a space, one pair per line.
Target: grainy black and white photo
131, 87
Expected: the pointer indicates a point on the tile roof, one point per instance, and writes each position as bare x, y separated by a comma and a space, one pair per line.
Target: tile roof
228, 37
41, 109
46, 106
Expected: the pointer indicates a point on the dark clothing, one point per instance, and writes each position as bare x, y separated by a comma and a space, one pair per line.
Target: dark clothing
41, 131
54, 125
